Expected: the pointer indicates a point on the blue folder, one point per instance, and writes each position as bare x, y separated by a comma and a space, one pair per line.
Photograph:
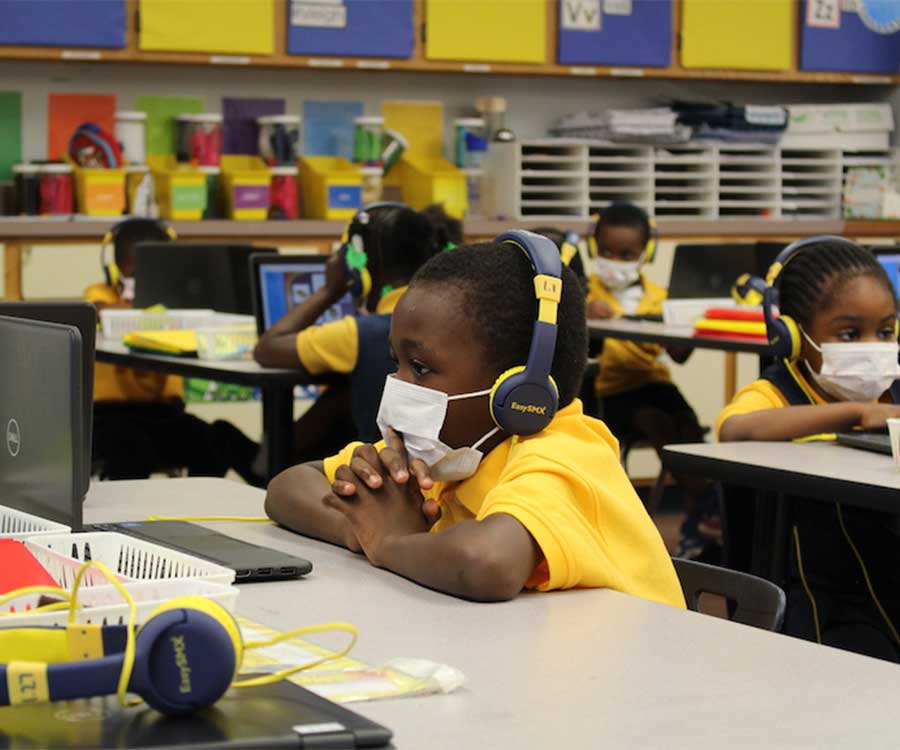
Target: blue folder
852, 48
63, 23
643, 38
374, 28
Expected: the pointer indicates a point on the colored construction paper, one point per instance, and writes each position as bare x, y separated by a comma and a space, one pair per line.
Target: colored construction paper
65, 112
328, 127
239, 122
421, 123
228, 26
63, 23
10, 132
161, 112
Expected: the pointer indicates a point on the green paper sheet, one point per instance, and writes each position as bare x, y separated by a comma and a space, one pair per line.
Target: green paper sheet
10, 132
161, 112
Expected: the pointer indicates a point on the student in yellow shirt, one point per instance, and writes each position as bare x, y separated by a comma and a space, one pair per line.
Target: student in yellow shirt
391, 240
836, 370
634, 385
140, 425
485, 484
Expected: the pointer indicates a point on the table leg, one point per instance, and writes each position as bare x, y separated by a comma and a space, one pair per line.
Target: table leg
781, 540
761, 559
12, 270
278, 423
730, 376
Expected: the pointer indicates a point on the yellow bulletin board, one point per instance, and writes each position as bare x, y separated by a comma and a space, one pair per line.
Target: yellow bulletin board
738, 34
486, 30
228, 26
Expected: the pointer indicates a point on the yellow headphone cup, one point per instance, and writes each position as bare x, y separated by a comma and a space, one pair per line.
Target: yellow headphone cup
171, 233
593, 250
567, 252
650, 247
115, 275
366, 281
218, 613
897, 328
498, 382
796, 337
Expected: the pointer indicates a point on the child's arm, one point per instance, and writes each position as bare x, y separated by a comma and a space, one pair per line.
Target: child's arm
277, 347
793, 422
297, 498
487, 560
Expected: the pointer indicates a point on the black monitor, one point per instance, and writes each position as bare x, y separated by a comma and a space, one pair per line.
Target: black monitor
83, 316
195, 275
41, 419
709, 270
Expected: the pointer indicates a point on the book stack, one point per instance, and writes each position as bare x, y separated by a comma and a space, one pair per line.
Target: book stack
732, 323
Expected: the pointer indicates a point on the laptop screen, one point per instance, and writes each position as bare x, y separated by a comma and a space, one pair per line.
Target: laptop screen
891, 264
283, 286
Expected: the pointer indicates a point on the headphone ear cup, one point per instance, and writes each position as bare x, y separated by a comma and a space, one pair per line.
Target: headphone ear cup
593, 250
113, 274
521, 406
785, 338
652, 241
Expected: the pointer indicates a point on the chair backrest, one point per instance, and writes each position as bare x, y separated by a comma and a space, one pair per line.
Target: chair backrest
752, 600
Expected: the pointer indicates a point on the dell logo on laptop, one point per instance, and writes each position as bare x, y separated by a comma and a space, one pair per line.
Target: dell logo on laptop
13, 438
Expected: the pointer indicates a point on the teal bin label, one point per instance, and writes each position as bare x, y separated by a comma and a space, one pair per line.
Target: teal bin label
344, 196
189, 197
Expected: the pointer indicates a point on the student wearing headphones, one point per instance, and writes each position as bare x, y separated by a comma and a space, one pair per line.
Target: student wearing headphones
140, 425
634, 384
489, 478
836, 369
384, 245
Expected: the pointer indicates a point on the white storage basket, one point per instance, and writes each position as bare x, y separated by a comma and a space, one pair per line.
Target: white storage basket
15, 524
117, 324
128, 557
103, 605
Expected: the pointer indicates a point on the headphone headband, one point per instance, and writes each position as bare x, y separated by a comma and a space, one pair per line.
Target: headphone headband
524, 399
794, 249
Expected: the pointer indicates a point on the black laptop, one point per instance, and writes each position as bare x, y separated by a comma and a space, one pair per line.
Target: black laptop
42, 452
190, 275
709, 270
283, 715
876, 442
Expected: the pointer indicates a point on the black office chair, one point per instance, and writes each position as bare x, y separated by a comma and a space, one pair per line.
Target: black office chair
751, 600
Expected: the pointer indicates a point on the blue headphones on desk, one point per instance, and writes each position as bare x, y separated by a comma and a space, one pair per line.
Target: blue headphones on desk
524, 399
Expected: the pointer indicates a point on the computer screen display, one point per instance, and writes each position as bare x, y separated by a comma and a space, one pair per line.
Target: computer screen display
891, 264
283, 286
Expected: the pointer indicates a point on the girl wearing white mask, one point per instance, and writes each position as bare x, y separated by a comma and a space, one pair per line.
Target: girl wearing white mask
842, 375
640, 401
448, 499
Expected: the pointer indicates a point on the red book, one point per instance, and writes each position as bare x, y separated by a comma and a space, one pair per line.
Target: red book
734, 313
729, 335
19, 568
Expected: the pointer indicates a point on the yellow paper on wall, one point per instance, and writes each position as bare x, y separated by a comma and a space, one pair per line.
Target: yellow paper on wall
421, 123
488, 30
738, 34
226, 26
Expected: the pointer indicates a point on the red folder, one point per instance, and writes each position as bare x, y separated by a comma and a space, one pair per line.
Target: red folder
19, 568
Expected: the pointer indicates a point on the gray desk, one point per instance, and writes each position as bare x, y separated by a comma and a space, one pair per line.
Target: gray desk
578, 669
779, 471
277, 387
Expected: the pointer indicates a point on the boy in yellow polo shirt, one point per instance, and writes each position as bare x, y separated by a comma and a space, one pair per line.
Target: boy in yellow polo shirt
634, 384
457, 504
140, 425
396, 240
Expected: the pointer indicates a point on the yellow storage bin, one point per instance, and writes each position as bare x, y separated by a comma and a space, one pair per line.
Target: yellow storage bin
331, 187
181, 190
426, 180
486, 30
246, 183
100, 192
744, 35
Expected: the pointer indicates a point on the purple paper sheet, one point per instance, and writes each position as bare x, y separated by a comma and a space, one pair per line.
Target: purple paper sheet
239, 122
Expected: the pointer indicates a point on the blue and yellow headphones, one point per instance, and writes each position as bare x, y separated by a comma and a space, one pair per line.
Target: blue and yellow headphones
111, 271
524, 399
353, 247
783, 331
652, 240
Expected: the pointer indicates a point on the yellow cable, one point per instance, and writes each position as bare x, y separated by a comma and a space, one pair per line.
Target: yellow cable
244, 519
128, 663
50, 607
812, 599
277, 676
865, 572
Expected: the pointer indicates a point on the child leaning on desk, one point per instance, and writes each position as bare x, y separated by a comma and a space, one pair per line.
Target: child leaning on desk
140, 424
454, 503
634, 386
837, 343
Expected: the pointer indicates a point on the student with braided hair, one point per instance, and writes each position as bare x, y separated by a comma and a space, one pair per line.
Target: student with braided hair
836, 336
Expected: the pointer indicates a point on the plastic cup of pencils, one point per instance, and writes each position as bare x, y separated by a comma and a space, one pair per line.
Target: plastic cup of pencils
894, 432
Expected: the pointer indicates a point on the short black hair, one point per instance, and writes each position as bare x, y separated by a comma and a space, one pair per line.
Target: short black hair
497, 281
559, 237
813, 276
624, 215
399, 240
132, 232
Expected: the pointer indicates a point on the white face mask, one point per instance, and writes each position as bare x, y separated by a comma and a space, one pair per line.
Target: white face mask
128, 288
856, 371
418, 414
617, 274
